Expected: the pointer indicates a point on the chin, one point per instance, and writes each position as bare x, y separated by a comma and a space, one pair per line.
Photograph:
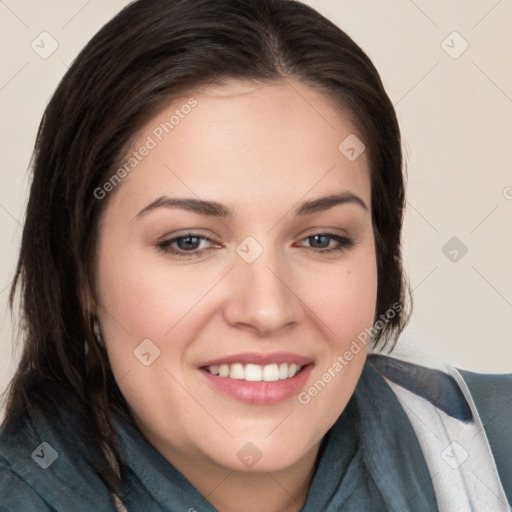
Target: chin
262, 457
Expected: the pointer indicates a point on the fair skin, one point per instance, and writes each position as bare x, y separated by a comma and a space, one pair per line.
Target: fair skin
261, 151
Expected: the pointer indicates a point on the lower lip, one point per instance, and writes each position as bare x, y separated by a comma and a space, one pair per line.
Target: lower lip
260, 393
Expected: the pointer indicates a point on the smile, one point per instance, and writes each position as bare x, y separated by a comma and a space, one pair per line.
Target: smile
255, 372
260, 379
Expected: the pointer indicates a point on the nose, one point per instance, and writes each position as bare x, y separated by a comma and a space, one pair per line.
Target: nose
262, 296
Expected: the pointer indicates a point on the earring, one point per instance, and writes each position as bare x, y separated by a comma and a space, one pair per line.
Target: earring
97, 333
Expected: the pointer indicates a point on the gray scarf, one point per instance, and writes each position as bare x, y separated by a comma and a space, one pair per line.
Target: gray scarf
370, 461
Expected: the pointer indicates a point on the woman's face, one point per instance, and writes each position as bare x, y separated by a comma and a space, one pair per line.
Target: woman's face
205, 332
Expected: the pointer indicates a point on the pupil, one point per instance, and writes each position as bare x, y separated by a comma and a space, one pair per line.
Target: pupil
317, 237
187, 242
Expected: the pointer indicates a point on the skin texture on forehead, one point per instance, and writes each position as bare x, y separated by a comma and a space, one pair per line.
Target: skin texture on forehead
260, 150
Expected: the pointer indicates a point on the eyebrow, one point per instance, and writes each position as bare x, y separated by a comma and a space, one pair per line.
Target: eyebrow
215, 209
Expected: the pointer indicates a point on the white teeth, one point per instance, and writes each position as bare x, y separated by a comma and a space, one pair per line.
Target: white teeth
237, 371
283, 371
270, 373
255, 372
292, 370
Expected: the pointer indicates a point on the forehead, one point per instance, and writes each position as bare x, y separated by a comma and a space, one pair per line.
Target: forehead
239, 140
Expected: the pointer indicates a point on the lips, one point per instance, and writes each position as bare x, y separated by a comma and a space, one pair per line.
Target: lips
262, 379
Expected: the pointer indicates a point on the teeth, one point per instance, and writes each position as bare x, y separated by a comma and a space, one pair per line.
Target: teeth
237, 371
255, 372
270, 373
283, 371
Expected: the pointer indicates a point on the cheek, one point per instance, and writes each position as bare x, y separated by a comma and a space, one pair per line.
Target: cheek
344, 297
145, 299
344, 300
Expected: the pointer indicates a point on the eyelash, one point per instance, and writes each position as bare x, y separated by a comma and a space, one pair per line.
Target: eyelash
165, 246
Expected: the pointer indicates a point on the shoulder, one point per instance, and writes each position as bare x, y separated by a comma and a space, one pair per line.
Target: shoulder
43, 467
16, 491
480, 399
18, 495
492, 397
491, 389
456, 391
416, 363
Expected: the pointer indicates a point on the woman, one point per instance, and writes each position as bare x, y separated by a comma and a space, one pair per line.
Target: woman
211, 249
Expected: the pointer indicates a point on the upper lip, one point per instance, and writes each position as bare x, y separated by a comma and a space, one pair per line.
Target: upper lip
260, 359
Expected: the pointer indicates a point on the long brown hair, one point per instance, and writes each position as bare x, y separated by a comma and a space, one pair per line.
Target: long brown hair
150, 53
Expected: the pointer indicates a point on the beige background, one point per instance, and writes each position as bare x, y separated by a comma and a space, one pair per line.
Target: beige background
455, 111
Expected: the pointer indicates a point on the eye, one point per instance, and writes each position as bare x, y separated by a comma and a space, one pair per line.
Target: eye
193, 244
321, 241
186, 245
